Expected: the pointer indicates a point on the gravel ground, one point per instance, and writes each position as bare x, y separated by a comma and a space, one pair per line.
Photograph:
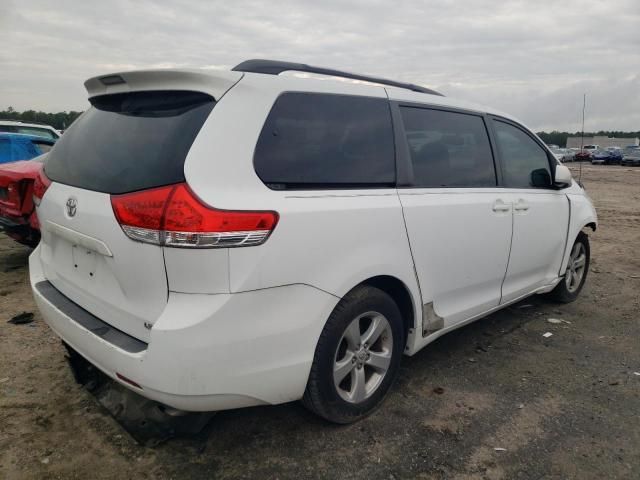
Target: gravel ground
492, 400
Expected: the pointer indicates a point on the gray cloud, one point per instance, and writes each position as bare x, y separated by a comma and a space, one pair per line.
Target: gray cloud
532, 59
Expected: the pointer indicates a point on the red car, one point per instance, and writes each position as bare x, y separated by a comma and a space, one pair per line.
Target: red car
583, 156
17, 213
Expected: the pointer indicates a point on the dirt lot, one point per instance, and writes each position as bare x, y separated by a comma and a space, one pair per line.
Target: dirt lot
567, 406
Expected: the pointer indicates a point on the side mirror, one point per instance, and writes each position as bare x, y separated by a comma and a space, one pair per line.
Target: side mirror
563, 176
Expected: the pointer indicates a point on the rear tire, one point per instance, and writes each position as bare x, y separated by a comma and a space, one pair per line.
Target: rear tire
357, 357
576, 274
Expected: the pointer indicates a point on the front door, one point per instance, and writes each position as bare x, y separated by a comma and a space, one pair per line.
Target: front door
540, 213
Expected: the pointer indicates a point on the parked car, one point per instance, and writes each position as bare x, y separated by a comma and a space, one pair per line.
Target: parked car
631, 157
248, 238
558, 154
569, 155
38, 129
615, 155
591, 148
563, 154
601, 157
17, 212
16, 146
582, 156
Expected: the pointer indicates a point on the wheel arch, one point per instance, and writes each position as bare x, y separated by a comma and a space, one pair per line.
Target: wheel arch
400, 293
583, 216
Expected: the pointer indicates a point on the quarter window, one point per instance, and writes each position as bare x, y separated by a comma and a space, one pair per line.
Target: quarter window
313, 140
448, 149
524, 163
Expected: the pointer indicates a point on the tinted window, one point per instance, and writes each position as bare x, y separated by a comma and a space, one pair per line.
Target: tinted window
320, 140
448, 149
129, 141
524, 162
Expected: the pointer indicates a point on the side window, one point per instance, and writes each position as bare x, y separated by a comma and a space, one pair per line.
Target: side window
524, 162
448, 149
326, 141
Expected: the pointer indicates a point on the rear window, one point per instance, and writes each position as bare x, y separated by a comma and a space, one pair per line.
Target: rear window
130, 141
314, 140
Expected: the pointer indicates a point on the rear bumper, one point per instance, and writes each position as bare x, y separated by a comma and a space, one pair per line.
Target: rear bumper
207, 352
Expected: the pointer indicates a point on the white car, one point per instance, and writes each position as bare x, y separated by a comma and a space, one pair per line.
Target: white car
38, 129
214, 240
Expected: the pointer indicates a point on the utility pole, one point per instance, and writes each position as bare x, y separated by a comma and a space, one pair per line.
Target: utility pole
584, 104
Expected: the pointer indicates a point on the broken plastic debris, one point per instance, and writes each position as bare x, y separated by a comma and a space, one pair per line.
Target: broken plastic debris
558, 320
22, 318
547, 335
636, 373
500, 449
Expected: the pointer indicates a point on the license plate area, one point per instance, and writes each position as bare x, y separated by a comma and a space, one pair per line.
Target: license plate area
84, 261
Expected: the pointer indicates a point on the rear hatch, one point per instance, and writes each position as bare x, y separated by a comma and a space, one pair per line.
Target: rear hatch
126, 142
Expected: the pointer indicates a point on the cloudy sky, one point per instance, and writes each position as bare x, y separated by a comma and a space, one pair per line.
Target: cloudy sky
532, 58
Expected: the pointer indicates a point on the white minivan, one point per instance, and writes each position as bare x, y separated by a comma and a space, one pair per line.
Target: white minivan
222, 239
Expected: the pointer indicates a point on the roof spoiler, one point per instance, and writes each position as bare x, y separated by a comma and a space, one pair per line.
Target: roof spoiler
213, 82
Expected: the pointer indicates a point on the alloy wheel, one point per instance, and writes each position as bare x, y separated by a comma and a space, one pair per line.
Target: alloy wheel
363, 357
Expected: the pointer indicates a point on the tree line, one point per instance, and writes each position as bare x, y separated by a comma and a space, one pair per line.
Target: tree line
59, 120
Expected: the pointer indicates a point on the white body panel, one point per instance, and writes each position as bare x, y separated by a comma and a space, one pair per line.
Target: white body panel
90, 260
211, 352
540, 219
237, 327
460, 240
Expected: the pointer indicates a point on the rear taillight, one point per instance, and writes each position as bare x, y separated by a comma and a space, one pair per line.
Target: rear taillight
40, 186
174, 216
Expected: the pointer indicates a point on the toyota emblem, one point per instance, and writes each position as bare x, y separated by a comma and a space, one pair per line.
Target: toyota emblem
72, 207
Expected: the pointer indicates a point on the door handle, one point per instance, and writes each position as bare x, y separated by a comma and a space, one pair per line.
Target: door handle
521, 205
501, 206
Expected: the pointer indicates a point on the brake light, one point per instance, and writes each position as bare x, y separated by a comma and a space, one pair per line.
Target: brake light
174, 216
40, 186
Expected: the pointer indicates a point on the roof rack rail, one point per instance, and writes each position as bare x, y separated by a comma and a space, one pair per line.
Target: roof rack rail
274, 67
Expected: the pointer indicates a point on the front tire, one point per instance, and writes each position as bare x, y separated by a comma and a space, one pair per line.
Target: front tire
576, 274
357, 357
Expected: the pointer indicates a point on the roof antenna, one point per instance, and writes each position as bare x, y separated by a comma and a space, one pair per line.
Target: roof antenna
584, 104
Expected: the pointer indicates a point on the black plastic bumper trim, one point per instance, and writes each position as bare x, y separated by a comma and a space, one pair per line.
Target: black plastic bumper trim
92, 323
